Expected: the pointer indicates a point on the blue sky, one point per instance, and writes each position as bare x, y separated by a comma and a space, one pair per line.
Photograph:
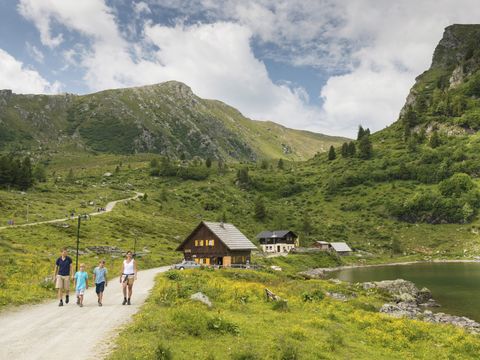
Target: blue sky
321, 65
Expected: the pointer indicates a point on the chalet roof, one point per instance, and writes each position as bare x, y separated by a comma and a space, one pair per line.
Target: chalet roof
227, 233
230, 236
322, 242
340, 247
274, 234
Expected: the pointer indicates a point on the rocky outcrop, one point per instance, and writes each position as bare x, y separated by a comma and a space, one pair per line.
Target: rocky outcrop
409, 302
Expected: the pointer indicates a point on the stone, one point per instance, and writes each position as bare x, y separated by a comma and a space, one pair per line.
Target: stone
199, 296
424, 295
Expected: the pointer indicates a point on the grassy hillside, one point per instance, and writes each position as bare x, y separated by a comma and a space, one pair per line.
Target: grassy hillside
306, 325
166, 118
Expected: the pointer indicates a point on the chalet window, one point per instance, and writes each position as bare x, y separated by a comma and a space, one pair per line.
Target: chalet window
211, 242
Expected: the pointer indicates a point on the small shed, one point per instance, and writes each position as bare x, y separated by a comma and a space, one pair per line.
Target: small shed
322, 245
340, 248
217, 243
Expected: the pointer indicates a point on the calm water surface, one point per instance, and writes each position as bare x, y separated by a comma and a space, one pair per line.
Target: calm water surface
455, 286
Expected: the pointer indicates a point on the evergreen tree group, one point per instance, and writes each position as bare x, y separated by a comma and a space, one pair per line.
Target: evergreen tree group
348, 149
16, 172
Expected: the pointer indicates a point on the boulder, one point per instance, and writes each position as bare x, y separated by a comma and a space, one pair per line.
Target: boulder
199, 296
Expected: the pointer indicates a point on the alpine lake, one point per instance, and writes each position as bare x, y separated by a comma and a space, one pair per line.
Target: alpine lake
454, 285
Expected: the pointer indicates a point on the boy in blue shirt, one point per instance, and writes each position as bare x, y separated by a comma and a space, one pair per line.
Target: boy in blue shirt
81, 283
100, 278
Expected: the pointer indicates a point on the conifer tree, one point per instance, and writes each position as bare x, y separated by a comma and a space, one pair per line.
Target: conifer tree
365, 147
260, 211
344, 150
360, 133
435, 140
331, 153
280, 164
208, 163
351, 149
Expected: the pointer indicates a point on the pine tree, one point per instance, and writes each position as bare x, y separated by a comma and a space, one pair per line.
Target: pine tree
280, 164
208, 163
435, 140
260, 212
25, 176
40, 174
264, 164
242, 176
351, 149
344, 151
365, 147
361, 132
331, 153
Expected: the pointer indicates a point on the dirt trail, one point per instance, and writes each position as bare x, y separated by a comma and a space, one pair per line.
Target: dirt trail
108, 208
46, 331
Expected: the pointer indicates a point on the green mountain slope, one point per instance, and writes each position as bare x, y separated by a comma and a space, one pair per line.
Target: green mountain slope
166, 118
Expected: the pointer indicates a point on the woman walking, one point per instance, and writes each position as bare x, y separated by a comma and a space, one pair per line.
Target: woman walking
128, 276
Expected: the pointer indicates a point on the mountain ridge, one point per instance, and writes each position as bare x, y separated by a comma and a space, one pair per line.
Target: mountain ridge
165, 118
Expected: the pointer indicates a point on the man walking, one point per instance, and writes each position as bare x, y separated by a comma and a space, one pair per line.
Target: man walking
63, 272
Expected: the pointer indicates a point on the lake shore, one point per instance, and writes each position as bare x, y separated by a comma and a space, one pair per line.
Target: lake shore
321, 272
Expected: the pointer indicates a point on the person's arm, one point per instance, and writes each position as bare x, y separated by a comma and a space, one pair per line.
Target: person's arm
94, 276
106, 280
55, 272
121, 273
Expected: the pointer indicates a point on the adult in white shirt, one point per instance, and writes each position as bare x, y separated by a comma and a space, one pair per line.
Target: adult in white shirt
128, 276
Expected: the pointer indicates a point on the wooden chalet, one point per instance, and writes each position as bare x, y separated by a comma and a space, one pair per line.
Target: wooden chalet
215, 243
278, 241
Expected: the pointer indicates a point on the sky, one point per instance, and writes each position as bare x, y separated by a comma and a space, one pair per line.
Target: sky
320, 65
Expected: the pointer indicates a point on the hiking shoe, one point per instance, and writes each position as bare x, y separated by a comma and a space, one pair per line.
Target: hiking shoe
128, 302
67, 299
60, 303
124, 302
99, 304
81, 305
78, 300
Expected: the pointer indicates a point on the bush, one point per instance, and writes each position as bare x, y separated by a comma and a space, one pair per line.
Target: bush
163, 353
280, 305
223, 326
456, 185
245, 355
316, 295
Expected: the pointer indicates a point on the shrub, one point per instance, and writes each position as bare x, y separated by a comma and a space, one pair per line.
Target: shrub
221, 325
245, 355
280, 305
316, 295
163, 353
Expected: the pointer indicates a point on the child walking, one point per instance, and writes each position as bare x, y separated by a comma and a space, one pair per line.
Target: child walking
81, 283
100, 278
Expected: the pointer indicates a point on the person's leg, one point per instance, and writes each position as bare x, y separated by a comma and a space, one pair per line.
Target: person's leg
67, 288
59, 286
81, 300
124, 285
130, 289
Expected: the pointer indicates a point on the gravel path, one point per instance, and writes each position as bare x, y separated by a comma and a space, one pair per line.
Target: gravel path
108, 209
46, 331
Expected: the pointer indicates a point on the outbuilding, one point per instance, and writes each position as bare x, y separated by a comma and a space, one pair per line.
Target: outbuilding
340, 248
217, 243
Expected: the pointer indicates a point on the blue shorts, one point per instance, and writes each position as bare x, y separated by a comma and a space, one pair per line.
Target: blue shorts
100, 287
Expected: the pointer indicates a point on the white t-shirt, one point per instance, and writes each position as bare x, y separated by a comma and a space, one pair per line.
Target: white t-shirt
128, 268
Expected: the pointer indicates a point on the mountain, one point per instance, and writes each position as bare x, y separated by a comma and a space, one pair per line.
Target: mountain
167, 119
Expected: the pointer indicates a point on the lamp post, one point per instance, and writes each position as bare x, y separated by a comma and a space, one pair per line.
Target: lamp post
80, 217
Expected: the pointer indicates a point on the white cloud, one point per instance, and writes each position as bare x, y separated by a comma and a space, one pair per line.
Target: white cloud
15, 76
141, 7
379, 48
34, 52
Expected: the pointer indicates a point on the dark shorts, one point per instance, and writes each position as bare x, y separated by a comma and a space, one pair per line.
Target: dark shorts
100, 287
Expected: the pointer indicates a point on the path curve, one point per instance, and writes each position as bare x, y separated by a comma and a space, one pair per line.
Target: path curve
48, 332
108, 208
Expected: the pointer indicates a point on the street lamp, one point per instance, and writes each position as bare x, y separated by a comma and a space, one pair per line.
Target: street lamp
80, 217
